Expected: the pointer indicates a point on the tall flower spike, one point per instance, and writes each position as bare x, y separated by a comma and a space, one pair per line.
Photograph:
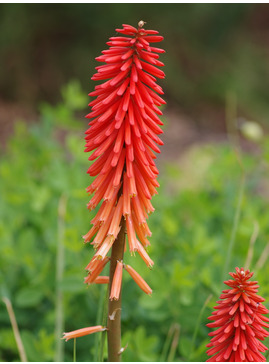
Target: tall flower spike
240, 321
123, 137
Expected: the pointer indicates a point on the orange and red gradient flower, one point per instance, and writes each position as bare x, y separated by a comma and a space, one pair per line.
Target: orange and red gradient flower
123, 137
240, 321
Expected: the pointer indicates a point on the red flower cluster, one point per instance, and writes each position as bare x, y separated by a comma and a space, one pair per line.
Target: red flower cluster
239, 316
123, 136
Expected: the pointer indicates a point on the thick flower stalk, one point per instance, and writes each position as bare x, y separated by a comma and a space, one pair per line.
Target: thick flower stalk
240, 321
123, 139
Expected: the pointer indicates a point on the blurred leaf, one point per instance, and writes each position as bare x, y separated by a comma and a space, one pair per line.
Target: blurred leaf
29, 296
140, 346
73, 284
7, 339
73, 96
185, 346
28, 339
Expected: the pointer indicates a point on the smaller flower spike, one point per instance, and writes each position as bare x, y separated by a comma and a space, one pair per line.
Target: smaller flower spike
240, 321
83, 332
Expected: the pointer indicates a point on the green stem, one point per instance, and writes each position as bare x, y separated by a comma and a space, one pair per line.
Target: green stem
174, 343
167, 343
263, 258
75, 351
114, 307
100, 318
15, 328
235, 226
198, 324
252, 241
103, 333
231, 114
59, 324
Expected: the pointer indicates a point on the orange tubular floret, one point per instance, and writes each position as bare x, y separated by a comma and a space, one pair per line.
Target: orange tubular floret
138, 279
87, 237
83, 332
116, 283
144, 255
100, 236
96, 270
102, 280
126, 197
115, 223
131, 234
104, 248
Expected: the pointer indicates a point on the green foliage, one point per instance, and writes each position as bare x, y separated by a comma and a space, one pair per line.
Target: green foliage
140, 346
191, 229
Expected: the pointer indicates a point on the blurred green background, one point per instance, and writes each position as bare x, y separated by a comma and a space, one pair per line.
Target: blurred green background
211, 211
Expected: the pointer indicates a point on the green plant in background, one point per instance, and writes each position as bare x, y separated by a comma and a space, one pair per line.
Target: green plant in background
192, 224
37, 172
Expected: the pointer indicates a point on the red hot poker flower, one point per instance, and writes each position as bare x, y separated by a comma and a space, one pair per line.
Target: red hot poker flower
239, 316
123, 137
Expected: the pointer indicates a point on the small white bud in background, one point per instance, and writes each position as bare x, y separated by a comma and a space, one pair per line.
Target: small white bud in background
252, 131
